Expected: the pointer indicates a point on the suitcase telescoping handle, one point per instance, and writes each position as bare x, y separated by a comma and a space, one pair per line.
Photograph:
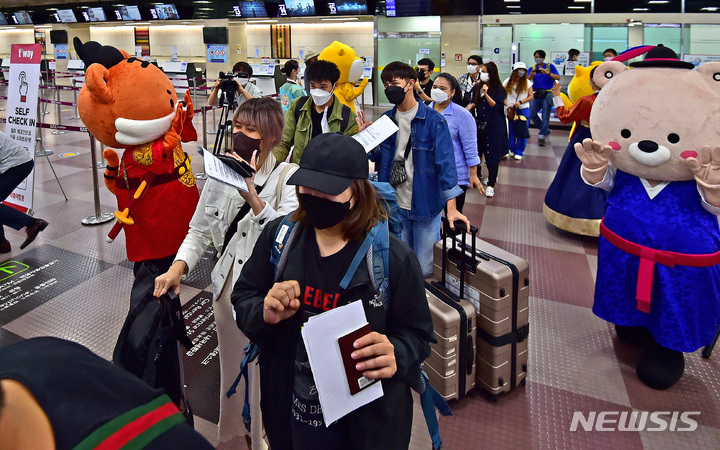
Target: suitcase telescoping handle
464, 263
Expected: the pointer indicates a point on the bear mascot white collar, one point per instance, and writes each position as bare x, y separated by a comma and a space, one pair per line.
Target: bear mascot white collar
656, 149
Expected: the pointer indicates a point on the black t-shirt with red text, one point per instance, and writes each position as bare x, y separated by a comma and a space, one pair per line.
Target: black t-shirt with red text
320, 293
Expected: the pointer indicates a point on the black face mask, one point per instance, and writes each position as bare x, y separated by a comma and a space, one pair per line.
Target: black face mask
244, 146
421, 74
395, 94
323, 213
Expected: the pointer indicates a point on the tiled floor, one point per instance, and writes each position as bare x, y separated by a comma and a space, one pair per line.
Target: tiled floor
576, 363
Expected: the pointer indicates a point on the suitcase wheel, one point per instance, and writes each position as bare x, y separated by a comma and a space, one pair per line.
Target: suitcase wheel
501, 382
522, 382
494, 398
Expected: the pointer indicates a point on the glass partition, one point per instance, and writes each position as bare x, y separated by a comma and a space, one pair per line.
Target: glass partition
408, 40
549, 37
667, 34
702, 39
496, 47
608, 36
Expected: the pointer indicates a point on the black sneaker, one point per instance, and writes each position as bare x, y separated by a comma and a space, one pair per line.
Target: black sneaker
5, 246
541, 142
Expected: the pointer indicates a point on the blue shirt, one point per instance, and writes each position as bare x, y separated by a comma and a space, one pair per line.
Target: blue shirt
463, 133
542, 81
434, 172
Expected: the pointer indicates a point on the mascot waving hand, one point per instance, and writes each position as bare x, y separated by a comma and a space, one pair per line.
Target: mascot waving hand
656, 148
130, 104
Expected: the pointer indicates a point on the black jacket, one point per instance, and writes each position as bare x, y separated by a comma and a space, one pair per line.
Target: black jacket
382, 424
81, 392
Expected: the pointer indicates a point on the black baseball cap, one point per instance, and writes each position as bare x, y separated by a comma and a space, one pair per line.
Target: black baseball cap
330, 163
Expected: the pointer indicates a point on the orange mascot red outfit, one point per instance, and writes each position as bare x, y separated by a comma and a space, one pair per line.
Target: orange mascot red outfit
129, 103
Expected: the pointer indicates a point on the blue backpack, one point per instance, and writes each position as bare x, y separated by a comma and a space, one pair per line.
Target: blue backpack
375, 249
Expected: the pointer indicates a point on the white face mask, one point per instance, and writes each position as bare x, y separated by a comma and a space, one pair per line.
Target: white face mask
609, 58
320, 97
484, 77
539, 61
438, 96
472, 69
521, 73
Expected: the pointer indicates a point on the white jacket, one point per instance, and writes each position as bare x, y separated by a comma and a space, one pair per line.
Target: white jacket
219, 204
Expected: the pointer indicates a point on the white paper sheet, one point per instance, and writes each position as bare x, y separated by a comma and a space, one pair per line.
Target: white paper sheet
373, 135
321, 343
217, 170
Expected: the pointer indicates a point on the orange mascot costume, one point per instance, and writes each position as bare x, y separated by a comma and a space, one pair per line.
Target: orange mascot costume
129, 103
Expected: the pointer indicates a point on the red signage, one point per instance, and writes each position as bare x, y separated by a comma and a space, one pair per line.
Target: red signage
26, 54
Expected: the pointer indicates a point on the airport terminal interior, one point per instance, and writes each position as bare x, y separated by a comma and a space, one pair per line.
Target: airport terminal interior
71, 283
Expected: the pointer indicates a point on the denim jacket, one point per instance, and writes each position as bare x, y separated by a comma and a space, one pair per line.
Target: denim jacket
434, 175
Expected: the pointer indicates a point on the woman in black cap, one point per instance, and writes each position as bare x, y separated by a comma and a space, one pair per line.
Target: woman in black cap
338, 210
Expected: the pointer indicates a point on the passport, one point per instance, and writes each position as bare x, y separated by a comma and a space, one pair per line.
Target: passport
355, 379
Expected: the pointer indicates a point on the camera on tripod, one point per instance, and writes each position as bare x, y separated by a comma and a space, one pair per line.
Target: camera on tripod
228, 83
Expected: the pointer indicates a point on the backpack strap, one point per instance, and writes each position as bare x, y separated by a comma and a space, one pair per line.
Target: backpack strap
378, 261
298, 106
251, 353
345, 117
375, 250
430, 399
359, 256
284, 236
281, 183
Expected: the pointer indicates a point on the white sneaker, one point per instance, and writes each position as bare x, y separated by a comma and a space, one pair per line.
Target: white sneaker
489, 191
485, 181
511, 154
517, 157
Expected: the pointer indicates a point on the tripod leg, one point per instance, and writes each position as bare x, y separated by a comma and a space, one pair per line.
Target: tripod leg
56, 177
221, 130
47, 156
707, 351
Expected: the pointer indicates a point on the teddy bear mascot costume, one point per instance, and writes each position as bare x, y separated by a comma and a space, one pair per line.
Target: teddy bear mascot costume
656, 148
351, 69
570, 204
130, 104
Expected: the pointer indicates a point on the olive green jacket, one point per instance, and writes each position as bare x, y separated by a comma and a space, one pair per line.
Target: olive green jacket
299, 132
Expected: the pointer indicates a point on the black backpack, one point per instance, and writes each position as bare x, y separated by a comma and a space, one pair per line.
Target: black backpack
147, 345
